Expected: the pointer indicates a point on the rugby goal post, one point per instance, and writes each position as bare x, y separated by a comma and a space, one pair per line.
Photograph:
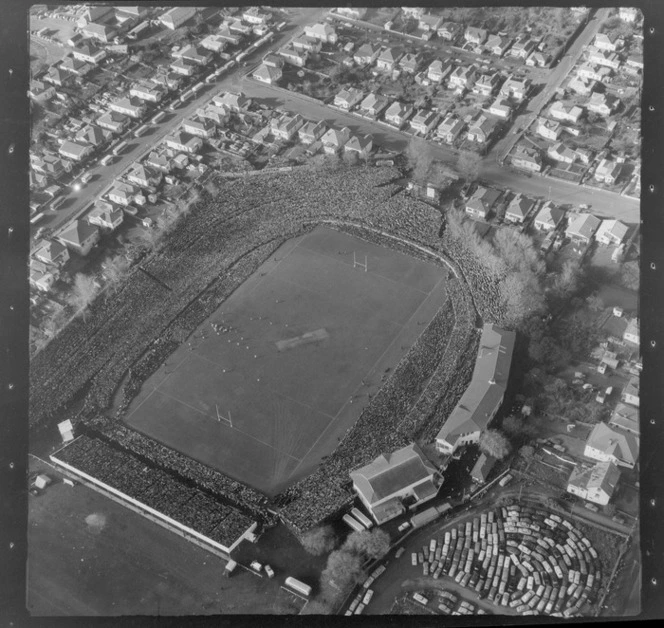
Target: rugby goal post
360, 264
221, 417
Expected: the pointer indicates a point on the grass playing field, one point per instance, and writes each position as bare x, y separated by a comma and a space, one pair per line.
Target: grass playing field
309, 337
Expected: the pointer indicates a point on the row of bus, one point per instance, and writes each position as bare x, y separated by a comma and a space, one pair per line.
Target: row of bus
357, 520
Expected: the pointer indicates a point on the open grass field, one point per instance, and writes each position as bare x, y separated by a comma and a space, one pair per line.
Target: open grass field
308, 337
90, 556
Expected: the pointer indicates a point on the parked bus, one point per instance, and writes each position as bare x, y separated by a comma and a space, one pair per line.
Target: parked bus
353, 523
186, 96
119, 148
297, 586
196, 88
106, 160
36, 218
362, 518
159, 117
55, 203
85, 177
140, 130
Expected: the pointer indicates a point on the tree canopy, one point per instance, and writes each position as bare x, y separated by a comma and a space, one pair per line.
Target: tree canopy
495, 444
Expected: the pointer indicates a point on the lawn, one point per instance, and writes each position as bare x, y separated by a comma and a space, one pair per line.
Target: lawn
297, 346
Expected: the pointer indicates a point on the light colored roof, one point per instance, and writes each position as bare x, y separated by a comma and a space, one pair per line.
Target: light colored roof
603, 476
392, 473
520, 206
614, 442
550, 215
483, 467
268, 72
583, 225
51, 250
614, 228
72, 148
626, 417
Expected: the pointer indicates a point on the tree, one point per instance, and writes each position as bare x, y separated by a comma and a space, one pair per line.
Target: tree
527, 451
522, 296
595, 302
370, 543
420, 158
342, 571
319, 540
495, 444
518, 428
82, 293
468, 165
569, 280
115, 270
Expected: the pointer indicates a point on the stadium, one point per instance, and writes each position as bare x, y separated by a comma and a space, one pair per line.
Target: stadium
287, 332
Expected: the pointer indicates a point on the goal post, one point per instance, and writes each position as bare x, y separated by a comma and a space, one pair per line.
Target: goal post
360, 264
221, 417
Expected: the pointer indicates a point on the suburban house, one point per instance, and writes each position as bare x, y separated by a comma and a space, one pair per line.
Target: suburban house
224, 32
113, 121
366, 54
184, 142
628, 14
611, 444
634, 64
387, 59
599, 73
42, 276
424, 121
449, 129
159, 161
410, 62
487, 84
177, 16
202, 127
294, 57
484, 396
429, 23
515, 88
630, 393
40, 92
102, 32
476, 36
373, 105
94, 13
562, 153
497, 44
79, 237
151, 92
397, 114
167, 79
449, 31
307, 44
131, 107
105, 216
501, 109
611, 232
89, 53
438, 70
481, 203
58, 77
93, 135
606, 59
214, 43
50, 165
603, 104
483, 467
312, 131
522, 49
582, 86
52, 252
396, 482
322, 31
595, 484
548, 129
538, 59
122, 193
559, 111
414, 12
548, 217
75, 151
463, 77
285, 127
481, 130
183, 67
334, 140
361, 145
607, 41
348, 98
232, 101
74, 66
582, 227
632, 332
267, 74
626, 418
518, 209
607, 171
355, 13
254, 15
145, 176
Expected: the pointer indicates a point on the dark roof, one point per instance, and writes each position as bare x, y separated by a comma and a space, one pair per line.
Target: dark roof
483, 467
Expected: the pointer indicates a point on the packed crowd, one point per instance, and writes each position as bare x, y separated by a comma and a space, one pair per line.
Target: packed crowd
156, 489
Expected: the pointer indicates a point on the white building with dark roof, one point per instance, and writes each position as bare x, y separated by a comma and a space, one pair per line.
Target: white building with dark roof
594, 484
612, 444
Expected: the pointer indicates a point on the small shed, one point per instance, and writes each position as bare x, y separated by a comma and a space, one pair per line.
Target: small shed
42, 481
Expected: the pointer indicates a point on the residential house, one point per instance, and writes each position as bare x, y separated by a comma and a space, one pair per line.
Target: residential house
396, 482
628, 14
310, 132
131, 107
93, 135
273, 60
482, 469
334, 140
89, 53
184, 142
635, 62
497, 44
424, 121
214, 43
463, 77
414, 12
607, 171
548, 129
113, 121
348, 98
582, 86
449, 31
75, 67
58, 77
603, 104
410, 62
224, 32
361, 145
538, 59
53, 253
487, 84
611, 232
254, 15
75, 151
169, 80
584, 155
582, 227
323, 31
476, 36
562, 153
397, 114
481, 130
145, 176
438, 70
632, 332
95, 13
267, 74
37, 180
429, 23
159, 161
40, 92
355, 13
567, 113
594, 484
522, 49
484, 396
105, 216
177, 16
518, 209
625, 418
123, 193
613, 445
102, 32
366, 54
285, 127
501, 108
183, 67
150, 92
590, 72
449, 129
608, 42
549, 217
295, 57
50, 165
515, 88
202, 127
42, 276
387, 59
608, 59
232, 101
630, 393
373, 105
481, 203
79, 237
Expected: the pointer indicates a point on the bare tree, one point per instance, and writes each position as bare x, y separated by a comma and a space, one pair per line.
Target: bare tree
493, 443
343, 571
318, 541
370, 543
82, 293
115, 270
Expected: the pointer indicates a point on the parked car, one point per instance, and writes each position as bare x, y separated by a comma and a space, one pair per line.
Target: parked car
269, 571
591, 507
